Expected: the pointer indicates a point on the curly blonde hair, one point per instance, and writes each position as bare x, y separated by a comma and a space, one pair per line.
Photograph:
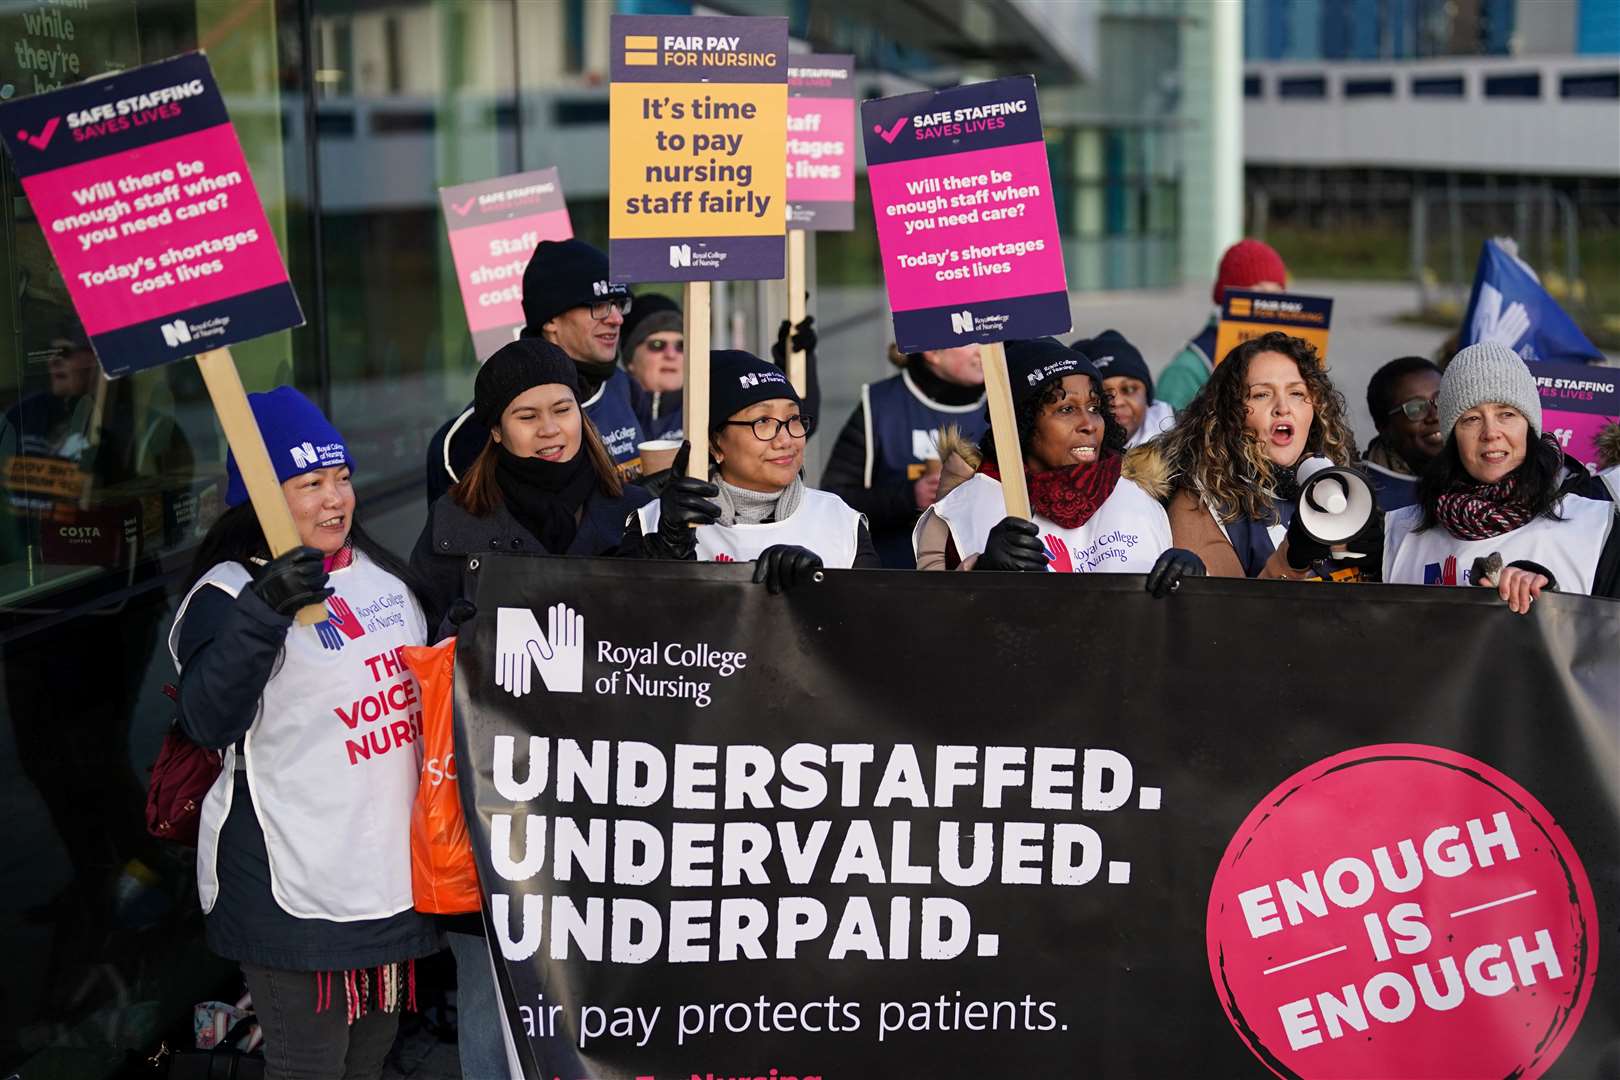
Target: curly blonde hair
1212, 451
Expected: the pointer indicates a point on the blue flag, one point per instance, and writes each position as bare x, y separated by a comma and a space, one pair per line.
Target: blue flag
1508, 305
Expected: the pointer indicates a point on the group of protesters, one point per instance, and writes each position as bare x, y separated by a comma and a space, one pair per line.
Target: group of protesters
304, 865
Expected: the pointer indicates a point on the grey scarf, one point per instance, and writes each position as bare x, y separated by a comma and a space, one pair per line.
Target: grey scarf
739, 506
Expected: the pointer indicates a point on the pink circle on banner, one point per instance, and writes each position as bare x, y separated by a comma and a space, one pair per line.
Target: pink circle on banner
1402, 911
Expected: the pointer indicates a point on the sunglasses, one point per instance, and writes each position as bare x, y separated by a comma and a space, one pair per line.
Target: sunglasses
1416, 408
659, 345
600, 309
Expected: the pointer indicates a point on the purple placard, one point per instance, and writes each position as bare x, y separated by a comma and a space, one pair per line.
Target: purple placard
698, 177
821, 142
1577, 400
966, 223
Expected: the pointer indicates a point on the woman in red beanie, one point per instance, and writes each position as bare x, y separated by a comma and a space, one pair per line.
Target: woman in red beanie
1247, 264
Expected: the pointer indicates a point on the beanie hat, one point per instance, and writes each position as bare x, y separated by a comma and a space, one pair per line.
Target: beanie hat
522, 365
1246, 264
298, 436
1034, 363
565, 274
654, 313
1484, 372
739, 379
1115, 357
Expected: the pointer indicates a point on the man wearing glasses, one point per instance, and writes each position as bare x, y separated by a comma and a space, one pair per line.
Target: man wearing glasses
1401, 398
569, 301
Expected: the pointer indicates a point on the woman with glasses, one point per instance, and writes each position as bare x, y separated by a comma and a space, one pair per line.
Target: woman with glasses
1401, 398
757, 507
1499, 505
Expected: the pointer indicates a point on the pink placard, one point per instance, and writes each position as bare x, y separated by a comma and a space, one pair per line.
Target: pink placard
490, 260
961, 228
821, 150
170, 227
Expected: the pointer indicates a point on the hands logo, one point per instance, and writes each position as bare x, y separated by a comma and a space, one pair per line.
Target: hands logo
680, 255
341, 623
962, 321
1059, 551
1491, 323
1441, 573
558, 654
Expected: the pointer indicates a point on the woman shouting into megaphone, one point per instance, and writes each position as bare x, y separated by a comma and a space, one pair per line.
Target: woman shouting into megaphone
1229, 466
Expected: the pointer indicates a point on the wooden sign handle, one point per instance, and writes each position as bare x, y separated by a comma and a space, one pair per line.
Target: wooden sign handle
695, 397
252, 460
795, 309
1004, 426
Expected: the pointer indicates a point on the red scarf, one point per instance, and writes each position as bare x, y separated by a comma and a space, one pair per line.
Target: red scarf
1069, 497
340, 561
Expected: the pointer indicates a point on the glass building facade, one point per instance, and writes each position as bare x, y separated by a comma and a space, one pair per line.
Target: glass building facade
352, 113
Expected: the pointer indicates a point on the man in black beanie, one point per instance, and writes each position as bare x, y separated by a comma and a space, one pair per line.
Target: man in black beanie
569, 301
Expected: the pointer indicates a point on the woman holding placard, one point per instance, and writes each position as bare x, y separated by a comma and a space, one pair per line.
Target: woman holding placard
1089, 516
757, 509
1496, 506
1229, 463
304, 855
543, 483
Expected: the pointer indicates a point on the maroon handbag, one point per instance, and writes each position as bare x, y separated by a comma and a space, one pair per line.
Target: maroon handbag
181, 777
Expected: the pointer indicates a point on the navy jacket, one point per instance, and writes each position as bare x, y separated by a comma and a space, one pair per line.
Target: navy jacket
439, 559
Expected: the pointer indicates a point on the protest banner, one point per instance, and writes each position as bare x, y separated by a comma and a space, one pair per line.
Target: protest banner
697, 178
967, 229
820, 170
144, 196
1577, 400
1119, 875
1246, 315
494, 227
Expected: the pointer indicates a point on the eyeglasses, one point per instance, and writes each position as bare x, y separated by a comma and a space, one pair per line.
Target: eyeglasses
600, 309
1415, 408
659, 345
766, 428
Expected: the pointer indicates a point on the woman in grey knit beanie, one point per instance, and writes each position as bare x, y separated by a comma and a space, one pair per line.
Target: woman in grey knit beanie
1497, 507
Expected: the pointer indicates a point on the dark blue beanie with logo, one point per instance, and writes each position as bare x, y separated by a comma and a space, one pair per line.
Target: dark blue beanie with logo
298, 436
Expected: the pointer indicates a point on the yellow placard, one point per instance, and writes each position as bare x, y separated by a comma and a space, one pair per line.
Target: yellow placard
697, 159
1247, 315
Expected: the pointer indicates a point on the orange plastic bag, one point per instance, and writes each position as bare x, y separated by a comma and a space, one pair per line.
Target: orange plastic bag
444, 874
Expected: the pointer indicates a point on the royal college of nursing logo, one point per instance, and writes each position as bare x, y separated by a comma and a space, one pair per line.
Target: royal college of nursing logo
521, 649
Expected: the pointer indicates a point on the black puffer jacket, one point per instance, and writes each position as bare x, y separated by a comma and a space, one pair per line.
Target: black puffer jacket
451, 535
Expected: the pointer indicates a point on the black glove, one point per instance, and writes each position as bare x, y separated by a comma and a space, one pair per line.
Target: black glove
1172, 565
784, 566
1303, 548
460, 611
683, 503
1014, 544
292, 580
804, 340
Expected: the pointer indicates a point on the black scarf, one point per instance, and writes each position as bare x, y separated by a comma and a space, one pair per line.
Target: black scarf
545, 496
937, 389
592, 375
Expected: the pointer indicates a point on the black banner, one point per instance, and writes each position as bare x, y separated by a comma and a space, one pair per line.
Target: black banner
1005, 825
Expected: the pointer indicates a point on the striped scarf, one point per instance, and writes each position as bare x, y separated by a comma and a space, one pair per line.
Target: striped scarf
386, 988
1482, 511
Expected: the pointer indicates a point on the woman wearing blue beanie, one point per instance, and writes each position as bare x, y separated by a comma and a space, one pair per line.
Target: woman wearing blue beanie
1497, 506
303, 857
758, 508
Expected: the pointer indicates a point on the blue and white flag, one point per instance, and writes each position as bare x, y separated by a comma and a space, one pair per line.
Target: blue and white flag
1509, 305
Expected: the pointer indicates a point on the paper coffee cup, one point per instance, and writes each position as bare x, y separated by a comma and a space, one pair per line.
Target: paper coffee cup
657, 455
